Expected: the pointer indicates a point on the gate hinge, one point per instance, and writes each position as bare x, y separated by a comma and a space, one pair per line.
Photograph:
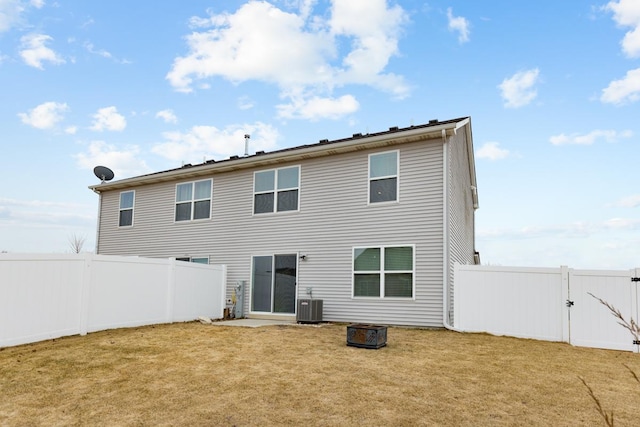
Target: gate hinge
636, 342
635, 279
569, 303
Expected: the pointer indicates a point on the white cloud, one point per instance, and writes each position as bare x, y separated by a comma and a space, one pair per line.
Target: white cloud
10, 14
590, 138
71, 130
212, 143
248, 45
34, 50
100, 52
40, 214
459, 24
103, 53
492, 151
45, 115
624, 90
124, 162
578, 229
167, 115
318, 108
12, 11
518, 90
374, 31
626, 13
629, 202
89, 22
631, 43
245, 103
622, 223
38, 204
352, 46
108, 118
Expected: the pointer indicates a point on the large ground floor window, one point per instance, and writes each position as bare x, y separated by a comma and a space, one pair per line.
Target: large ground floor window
273, 283
384, 271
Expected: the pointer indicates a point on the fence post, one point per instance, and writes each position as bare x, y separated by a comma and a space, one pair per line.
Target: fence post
85, 294
171, 289
458, 288
566, 310
223, 290
634, 301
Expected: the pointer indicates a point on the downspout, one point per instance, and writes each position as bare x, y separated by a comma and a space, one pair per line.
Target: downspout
445, 234
98, 220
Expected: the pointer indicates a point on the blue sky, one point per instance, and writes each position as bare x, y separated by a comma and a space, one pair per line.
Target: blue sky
552, 89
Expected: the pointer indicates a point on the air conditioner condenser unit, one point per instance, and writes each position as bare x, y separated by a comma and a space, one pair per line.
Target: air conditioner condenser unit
309, 311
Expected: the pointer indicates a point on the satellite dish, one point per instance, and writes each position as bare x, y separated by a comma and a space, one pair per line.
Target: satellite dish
103, 173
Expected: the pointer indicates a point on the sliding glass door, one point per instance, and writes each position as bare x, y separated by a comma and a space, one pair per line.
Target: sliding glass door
274, 283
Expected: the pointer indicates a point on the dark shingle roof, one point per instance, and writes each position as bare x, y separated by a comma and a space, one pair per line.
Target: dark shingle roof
219, 163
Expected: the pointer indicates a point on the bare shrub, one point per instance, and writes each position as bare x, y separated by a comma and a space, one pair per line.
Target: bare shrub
632, 326
76, 243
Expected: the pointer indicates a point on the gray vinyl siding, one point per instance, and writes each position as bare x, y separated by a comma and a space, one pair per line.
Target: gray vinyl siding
334, 217
461, 210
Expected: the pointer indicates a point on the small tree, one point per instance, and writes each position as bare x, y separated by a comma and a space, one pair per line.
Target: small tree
76, 243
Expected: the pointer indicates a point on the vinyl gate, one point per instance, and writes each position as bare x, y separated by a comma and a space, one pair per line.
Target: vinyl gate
592, 324
552, 304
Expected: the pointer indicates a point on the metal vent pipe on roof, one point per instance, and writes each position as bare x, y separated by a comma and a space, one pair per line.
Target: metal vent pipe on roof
246, 144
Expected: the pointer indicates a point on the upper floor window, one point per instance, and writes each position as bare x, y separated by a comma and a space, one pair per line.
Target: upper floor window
126, 208
193, 200
383, 177
383, 271
276, 190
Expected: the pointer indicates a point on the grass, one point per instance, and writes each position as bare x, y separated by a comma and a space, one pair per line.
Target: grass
193, 374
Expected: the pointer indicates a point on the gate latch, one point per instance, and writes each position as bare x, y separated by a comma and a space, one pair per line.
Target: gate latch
635, 279
569, 303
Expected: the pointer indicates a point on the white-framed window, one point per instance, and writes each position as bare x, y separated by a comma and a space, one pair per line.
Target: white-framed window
125, 215
383, 176
193, 200
197, 260
384, 271
276, 190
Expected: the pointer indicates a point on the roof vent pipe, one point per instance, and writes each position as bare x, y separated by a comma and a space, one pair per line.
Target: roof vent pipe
246, 144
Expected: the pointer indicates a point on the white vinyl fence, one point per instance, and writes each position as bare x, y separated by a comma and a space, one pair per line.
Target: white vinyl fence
552, 304
50, 296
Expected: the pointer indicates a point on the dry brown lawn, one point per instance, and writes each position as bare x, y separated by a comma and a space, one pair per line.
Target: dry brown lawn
192, 374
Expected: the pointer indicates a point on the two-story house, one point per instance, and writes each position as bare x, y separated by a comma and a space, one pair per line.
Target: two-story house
370, 224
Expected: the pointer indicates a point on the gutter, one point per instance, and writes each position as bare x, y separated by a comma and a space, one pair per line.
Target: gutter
445, 235
98, 220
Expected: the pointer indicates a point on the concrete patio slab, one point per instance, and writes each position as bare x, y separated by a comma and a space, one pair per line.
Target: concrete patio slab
253, 323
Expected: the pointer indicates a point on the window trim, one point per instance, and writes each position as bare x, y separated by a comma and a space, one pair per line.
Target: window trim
276, 191
382, 272
396, 176
192, 201
132, 208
